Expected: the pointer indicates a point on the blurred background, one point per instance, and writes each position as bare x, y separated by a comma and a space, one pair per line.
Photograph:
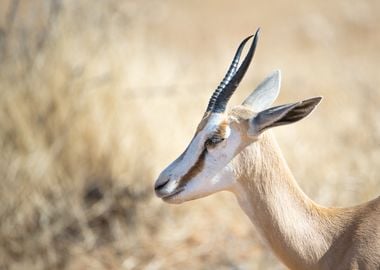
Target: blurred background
97, 97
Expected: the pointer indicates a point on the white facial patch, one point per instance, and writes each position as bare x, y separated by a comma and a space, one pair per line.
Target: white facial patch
177, 169
218, 174
201, 170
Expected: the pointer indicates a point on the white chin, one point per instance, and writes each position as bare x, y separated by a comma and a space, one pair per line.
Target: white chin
180, 198
176, 199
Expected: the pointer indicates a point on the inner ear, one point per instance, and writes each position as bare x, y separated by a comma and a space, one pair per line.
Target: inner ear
265, 93
282, 115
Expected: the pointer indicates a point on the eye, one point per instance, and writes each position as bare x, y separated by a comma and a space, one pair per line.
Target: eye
214, 140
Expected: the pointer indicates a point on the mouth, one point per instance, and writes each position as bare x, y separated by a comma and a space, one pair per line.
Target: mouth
171, 197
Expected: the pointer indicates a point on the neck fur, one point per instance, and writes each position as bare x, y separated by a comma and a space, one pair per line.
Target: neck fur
294, 227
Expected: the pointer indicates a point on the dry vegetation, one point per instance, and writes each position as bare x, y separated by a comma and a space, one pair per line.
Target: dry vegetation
97, 97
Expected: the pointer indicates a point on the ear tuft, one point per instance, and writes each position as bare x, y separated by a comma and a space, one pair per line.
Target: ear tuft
265, 93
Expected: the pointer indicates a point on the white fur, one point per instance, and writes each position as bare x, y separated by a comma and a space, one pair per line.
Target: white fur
215, 176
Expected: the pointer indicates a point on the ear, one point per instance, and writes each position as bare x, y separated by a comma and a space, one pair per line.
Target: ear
282, 115
265, 94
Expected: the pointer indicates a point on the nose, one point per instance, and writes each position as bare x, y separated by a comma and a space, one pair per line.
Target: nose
159, 184
159, 187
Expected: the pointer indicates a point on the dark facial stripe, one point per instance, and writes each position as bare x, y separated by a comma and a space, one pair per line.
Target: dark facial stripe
194, 170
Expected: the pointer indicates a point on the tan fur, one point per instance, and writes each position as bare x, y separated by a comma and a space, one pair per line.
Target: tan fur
222, 129
302, 234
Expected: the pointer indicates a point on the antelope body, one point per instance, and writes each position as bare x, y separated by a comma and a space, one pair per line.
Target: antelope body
236, 152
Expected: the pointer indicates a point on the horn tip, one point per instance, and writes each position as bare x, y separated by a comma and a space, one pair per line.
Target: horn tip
257, 34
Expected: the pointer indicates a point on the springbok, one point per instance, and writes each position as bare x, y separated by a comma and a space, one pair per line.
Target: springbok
236, 152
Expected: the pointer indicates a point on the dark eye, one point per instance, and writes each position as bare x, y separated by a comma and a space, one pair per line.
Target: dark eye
213, 141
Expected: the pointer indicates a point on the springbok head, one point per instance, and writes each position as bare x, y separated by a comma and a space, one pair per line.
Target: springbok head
205, 166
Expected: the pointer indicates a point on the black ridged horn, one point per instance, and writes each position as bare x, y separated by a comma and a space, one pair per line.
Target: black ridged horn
226, 88
230, 73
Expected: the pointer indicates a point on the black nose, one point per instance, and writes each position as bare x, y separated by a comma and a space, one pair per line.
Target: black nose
158, 185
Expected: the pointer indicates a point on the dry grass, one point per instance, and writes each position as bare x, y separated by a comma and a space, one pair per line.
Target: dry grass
98, 96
